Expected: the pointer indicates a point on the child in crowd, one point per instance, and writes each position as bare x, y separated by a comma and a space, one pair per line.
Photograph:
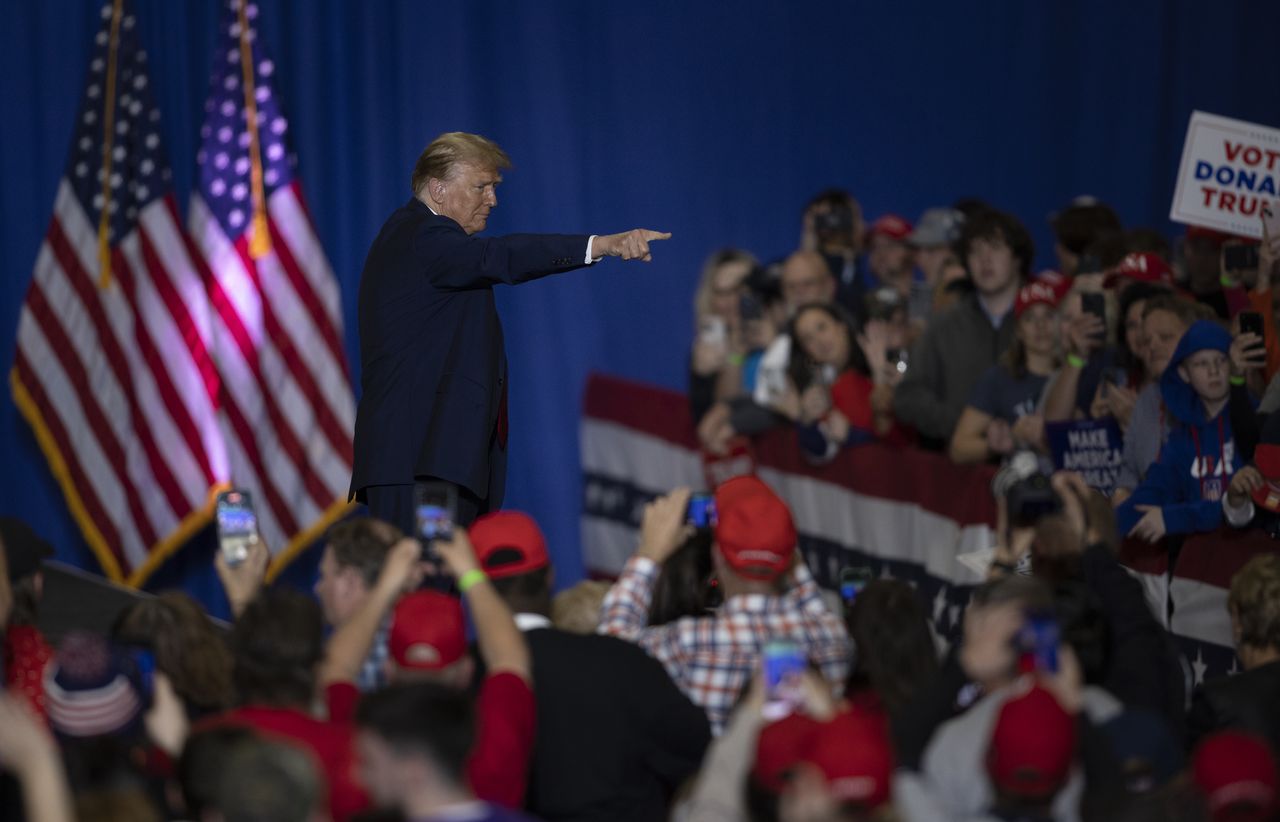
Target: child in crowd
1183, 489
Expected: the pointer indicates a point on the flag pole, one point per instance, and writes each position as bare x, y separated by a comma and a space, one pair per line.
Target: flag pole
108, 129
259, 235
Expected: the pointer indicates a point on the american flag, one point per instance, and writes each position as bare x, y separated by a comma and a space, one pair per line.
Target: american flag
287, 410
113, 368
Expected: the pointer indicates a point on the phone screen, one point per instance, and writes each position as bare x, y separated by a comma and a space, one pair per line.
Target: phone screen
1040, 638
1240, 257
237, 525
435, 509
1251, 323
852, 581
784, 662
702, 511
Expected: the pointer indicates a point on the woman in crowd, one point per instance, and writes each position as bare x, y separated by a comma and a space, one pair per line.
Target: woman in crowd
843, 399
720, 349
1002, 413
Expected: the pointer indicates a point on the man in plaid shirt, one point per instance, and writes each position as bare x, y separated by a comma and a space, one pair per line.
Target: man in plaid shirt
769, 595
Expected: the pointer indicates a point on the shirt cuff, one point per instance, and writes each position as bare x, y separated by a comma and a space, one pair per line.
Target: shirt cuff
1238, 517
643, 566
589, 259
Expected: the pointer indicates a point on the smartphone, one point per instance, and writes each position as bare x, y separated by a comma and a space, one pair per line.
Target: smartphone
784, 662
237, 525
1095, 303
701, 513
1251, 323
1240, 257
1040, 637
435, 510
852, 580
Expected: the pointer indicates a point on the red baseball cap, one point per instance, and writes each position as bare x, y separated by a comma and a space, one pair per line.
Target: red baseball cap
509, 543
1039, 292
780, 747
428, 631
754, 529
1236, 769
854, 754
1032, 745
1143, 267
892, 226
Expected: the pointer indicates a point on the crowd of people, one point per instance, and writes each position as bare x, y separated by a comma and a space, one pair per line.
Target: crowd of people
714, 679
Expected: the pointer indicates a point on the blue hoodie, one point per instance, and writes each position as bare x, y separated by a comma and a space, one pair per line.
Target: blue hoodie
1196, 464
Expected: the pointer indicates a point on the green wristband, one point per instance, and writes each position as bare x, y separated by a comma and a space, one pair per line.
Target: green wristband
1075, 361
1236, 380
736, 360
471, 579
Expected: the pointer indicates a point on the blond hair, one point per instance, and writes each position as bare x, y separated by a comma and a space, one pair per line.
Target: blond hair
577, 609
1255, 601
706, 284
442, 157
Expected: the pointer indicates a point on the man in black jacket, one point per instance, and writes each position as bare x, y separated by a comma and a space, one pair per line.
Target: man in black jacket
433, 367
1247, 701
615, 736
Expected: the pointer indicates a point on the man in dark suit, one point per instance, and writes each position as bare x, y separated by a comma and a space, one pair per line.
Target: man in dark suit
434, 370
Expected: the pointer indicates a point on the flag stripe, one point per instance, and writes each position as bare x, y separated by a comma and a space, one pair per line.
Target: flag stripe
313, 407
148, 295
268, 392
187, 296
303, 260
115, 462
242, 402
312, 339
112, 321
51, 416
146, 373
180, 443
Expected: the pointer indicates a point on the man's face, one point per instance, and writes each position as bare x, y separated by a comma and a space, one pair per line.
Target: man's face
888, 258
992, 265
341, 590
806, 279
1207, 371
467, 196
1201, 256
1162, 331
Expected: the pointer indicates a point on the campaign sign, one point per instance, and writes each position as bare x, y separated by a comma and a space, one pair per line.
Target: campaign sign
1229, 169
1092, 448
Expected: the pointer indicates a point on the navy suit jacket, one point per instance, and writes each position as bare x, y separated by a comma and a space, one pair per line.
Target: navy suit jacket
433, 366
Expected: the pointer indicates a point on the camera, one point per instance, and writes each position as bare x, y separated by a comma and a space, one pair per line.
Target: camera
1026, 490
834, 224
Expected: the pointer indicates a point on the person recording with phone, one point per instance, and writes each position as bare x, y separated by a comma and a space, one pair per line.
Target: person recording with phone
434, 368
843, 381
769, 595
833, 226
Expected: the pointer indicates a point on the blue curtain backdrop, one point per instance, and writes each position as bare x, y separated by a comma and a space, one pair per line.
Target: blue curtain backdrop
715, 121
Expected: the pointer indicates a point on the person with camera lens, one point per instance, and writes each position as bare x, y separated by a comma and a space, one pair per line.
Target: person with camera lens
843, 380
833, 226
1002, 415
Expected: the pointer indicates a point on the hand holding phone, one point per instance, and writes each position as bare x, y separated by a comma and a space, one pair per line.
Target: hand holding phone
435, 511
1095, 303
237, 525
